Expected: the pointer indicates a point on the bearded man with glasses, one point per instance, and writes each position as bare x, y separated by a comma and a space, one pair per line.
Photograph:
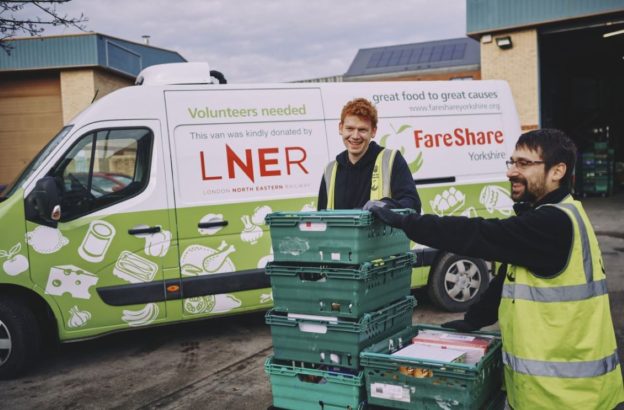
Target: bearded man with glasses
550, 295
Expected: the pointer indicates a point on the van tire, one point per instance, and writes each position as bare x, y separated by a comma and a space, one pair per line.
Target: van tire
456, 282
20, 337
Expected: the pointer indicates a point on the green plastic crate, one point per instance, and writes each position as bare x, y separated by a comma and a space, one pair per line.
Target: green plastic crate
335, 341
449, 385
302, 387
334, 236
340, 290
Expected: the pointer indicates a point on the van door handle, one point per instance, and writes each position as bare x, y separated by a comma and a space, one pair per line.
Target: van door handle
138, 231
212, 224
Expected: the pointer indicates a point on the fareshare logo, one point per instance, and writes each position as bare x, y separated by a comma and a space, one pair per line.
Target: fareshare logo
413, 158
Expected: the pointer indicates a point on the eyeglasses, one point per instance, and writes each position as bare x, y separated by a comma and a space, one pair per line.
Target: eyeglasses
521, 164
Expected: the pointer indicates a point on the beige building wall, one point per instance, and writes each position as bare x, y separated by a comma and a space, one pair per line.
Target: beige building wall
79, 87
77, 91
519, 66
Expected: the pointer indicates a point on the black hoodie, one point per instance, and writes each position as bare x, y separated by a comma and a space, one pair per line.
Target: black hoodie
353, 182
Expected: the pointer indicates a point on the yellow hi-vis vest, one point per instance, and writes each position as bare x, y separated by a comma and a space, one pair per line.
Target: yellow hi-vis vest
380, 180
559, 348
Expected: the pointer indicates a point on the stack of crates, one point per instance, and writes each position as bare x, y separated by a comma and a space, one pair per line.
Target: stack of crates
341, 282
596, 166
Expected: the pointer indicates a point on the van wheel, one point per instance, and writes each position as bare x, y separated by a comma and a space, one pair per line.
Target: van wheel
455, 282
19, 337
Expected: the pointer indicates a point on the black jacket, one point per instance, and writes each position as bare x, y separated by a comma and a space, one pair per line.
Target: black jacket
353, 182
539, 239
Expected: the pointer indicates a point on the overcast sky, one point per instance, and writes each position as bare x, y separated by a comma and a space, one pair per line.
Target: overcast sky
272, 40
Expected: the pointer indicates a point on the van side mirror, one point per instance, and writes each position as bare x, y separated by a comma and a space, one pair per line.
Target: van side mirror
44, 202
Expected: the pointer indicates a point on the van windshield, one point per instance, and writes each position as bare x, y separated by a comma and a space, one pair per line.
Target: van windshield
34, 164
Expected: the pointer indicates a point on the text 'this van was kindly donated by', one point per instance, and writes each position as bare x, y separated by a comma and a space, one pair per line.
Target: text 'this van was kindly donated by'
265, 162
458, 137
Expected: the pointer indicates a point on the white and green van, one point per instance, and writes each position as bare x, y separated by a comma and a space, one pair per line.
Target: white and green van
148, 208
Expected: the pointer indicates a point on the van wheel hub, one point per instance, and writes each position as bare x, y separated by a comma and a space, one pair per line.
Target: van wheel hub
5, 343
462, 280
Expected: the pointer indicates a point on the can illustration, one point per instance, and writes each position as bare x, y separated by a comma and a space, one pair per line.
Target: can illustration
96, 241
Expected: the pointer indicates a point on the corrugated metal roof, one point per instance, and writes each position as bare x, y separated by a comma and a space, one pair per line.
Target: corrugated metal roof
80, 50
485, 16
415, 57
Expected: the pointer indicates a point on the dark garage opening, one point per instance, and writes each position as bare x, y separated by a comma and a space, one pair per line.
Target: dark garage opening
582, 93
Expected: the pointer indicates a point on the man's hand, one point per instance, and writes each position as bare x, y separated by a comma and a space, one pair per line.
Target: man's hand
388, 217
461, 325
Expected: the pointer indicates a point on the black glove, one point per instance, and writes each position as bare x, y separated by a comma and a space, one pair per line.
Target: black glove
461, 325
388, 217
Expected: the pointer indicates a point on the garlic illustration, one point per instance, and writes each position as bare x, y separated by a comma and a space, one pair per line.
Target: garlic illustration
260, 213
213, 262
252, 232
78, 318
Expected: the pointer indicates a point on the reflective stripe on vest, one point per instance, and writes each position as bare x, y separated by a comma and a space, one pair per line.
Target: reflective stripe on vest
592, 368
380, 179
563, 293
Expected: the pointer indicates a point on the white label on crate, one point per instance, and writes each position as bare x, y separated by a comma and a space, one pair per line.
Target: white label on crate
335, 256
334, 358
313, 226
390, 392
331, 319
313, 328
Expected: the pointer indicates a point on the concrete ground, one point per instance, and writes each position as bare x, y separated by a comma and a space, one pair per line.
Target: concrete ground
219, 363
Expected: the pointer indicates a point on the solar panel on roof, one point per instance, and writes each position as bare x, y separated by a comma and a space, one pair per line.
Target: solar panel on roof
414, 56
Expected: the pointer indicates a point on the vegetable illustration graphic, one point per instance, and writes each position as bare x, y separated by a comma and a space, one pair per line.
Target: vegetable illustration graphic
141, 317
259, 214
15, 264
46, 240
252, 232
449, 202
210, 218
199, 304
496, 198
157, 244
211, 304
78, 318
96, 241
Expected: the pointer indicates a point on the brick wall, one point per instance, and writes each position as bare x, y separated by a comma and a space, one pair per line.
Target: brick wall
519, 66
